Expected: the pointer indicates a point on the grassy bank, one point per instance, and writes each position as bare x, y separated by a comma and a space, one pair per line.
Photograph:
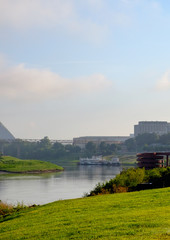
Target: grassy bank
125, 159
137, 215
15, 165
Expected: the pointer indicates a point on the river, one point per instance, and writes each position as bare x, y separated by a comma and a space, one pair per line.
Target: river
74, 182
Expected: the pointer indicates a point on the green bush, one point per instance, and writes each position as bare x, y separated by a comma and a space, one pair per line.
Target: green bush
121, 183
129, 180
159, 177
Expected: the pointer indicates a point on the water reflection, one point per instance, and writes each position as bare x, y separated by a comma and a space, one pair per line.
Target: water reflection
45, 188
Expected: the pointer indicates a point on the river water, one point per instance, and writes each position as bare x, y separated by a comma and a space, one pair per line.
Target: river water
74, 182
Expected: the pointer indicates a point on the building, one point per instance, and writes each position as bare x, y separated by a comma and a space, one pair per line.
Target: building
5, 133
158, 127
153, 160
82, 141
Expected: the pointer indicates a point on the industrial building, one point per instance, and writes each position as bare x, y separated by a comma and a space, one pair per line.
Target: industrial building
158, 127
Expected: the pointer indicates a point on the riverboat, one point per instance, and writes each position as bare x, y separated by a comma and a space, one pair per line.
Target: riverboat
99, 160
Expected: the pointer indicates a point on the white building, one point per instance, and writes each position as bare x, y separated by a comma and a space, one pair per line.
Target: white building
158, 127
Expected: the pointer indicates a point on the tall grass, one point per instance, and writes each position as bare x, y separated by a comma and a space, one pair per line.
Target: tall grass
7, 210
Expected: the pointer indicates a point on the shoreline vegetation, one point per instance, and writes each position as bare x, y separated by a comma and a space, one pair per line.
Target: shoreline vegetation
134, 179
10, 164
8, 211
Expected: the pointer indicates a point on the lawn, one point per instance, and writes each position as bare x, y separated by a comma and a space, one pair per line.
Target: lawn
125, 159
12, 164
135, 215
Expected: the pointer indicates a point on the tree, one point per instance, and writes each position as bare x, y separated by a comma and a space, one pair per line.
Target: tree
130, 144
103, 147
165, 139
112, 147
45, 143
90, 148
146, 138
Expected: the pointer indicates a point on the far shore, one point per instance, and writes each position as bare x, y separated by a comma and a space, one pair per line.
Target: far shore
33, 171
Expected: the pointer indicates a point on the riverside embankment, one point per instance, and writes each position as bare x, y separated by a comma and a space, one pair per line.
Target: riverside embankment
135, 215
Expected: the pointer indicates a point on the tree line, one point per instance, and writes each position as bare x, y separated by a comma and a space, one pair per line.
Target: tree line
45, 150
42, 150
149, 142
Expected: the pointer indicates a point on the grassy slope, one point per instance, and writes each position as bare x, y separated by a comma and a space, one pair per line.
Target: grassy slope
125, 159
13, 164
137, 215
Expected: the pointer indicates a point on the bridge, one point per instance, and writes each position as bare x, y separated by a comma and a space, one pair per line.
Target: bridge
62, 141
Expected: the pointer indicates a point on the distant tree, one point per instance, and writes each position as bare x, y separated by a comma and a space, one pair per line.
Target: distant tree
103, 148
113, 147
45, 143
165, 139
77, 149
58, 146
106, 149
146, 138
90, 148
130, 144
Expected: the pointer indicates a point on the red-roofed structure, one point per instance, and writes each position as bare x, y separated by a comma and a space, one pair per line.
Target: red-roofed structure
153, 160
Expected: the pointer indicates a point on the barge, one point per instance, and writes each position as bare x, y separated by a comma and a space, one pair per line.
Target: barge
99, 160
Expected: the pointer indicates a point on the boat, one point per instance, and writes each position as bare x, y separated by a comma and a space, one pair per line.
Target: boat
99, 160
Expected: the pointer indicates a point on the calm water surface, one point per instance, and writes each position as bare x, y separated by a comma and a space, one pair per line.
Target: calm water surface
45, 188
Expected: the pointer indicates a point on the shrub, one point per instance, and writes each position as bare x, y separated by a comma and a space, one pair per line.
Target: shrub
130, 180
159, 177
121, 183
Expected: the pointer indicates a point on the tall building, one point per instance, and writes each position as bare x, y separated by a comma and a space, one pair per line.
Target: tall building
5, 134
158, 127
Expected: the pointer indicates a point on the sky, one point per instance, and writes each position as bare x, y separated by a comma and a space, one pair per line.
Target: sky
71, 68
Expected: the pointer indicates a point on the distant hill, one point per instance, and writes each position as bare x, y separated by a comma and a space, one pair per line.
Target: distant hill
5, 133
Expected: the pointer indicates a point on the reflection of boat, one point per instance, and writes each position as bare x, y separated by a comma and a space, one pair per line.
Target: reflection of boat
98, 160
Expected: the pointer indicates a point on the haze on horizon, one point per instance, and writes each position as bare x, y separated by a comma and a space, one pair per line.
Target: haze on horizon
72, 68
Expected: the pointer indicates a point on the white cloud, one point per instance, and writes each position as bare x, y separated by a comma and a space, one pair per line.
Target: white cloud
3, 62
164, 82
96, 4
23, 83
52, 14
22, 14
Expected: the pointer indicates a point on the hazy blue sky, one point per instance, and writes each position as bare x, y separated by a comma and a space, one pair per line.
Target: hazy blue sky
72, 68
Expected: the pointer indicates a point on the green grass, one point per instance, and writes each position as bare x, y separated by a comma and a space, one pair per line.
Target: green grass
128, 159
13, 164
125, 159
137, 215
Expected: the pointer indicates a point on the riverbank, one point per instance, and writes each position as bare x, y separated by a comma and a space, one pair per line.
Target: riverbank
10, 164
33, 171
136, 215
